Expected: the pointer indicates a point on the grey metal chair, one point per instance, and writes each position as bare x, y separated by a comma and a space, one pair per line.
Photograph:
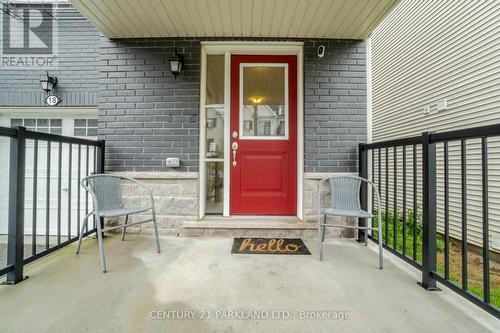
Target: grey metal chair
346, 202
108, 202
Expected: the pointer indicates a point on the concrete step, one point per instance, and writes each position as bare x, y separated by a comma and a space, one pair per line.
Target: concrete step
252, 226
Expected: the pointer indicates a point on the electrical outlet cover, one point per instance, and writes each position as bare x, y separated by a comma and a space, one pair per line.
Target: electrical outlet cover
172, 162
442, 104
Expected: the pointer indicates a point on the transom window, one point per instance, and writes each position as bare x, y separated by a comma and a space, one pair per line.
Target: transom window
44, 125
85, 127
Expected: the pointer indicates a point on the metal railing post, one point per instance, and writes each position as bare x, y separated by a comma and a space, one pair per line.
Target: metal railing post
17, 168
363, 173
100, 156
100, 169
429, 213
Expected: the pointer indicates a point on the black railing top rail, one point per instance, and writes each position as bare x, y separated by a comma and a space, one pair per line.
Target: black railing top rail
414, 140
7, 131
7, 269
468, 133
462, 134
59, 138
32, 135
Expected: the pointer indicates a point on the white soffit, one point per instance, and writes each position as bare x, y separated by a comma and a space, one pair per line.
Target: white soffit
235, 18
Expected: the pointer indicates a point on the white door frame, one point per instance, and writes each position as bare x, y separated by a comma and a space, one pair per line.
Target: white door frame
254, 48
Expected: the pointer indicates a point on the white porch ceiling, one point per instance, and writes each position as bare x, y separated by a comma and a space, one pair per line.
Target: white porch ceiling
235, 18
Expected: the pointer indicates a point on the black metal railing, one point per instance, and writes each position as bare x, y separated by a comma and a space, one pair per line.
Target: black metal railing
46, 229
410, 206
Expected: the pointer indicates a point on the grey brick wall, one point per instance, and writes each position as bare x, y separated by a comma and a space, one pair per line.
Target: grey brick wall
335, 105
78, 43
145, 116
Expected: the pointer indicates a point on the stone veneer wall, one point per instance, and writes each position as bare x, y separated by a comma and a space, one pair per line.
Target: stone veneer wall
175, 195
176, 199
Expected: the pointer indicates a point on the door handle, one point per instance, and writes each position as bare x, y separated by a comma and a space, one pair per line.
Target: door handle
235, 148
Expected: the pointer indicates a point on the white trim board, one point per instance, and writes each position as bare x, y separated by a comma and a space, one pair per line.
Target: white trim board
253, 48
369, 94
369, 111
227, 130
42, 110
203, 134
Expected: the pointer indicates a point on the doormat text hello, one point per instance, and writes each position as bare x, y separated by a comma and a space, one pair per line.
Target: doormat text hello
269, 246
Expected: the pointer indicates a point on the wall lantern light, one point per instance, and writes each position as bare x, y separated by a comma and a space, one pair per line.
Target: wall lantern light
176, 64
49, 83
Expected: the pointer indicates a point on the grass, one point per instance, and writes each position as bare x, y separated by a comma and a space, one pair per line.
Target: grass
475, 284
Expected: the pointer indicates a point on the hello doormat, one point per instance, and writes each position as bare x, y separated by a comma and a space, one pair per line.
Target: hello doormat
269, 246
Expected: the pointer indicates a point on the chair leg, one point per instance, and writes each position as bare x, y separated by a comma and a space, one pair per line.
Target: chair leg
101, 245
324, 229
321, 237
366, 234
156, 232
320, 242
80, 236
124, 227
380, 247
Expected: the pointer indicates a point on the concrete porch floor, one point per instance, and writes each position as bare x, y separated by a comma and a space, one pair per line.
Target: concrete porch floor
68, 293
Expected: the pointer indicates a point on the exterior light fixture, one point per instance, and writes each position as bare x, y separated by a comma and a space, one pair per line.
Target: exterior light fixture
176, 64
256, 100
49, 83
321, 51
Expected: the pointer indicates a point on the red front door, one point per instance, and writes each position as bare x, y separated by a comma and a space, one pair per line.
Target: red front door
263, 135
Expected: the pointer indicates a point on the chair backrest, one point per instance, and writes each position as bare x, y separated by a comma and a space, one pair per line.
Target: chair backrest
345, 192
107, 191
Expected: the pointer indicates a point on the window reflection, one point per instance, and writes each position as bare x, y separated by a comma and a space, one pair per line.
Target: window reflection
215, 188
264, 109
215, 133
52, 126
215, 79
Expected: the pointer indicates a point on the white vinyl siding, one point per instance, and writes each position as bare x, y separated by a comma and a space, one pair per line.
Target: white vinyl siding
429, 50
